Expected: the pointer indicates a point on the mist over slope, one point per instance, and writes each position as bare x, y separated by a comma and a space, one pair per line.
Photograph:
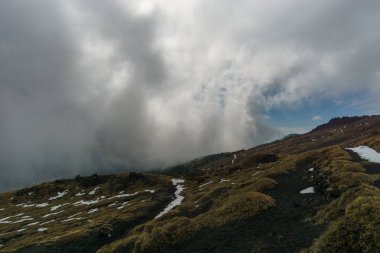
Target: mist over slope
311, 193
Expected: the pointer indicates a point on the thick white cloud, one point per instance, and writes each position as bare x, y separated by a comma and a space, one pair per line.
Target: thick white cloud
87, 85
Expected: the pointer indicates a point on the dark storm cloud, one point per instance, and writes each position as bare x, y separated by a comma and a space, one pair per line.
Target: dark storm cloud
42, 130
124, 131
89, 85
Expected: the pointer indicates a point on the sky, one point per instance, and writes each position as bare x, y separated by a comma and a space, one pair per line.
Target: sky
91, 86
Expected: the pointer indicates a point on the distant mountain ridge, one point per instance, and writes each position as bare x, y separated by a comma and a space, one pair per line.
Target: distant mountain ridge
341, 121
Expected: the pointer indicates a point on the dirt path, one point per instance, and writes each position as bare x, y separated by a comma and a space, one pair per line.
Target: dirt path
279, 229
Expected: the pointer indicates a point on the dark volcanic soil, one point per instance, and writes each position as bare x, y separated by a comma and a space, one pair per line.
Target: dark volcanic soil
283, 228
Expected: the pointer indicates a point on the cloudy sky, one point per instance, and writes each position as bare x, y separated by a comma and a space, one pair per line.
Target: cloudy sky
90, 85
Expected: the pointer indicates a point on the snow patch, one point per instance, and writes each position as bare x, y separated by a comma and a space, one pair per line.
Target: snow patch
124, 195
94, 190
178, 198
47, 222
42, 205
6, 221
177, 181
72, 216
113, 204
32, 224
27, 218
124, 204
367, 153
42, 229
59, 195
307, 190
233, 160
24, 205
84, 202
53, 208
49, 214
93, 210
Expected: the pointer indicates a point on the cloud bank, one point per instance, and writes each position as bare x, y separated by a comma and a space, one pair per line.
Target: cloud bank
87, 86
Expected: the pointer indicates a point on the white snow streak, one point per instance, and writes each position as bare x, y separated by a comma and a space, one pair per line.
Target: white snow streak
178, 198
84, 202
124, 204
24, 205
93, 191
93, 210
32, 224
49, 214
5, 220
42, 205
72, 216
59, 195
47, 222
53, 208
124, 195
233, 160
201, 186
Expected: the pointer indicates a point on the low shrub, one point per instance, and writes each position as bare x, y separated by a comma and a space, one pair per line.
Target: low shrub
237, 207
357, 231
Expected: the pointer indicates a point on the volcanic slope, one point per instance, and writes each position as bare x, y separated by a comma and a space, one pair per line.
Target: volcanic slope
316, 192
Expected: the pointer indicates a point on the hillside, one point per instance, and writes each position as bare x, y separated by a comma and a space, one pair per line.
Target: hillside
316, 192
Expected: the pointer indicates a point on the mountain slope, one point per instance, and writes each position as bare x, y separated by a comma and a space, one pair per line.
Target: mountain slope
305, 193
